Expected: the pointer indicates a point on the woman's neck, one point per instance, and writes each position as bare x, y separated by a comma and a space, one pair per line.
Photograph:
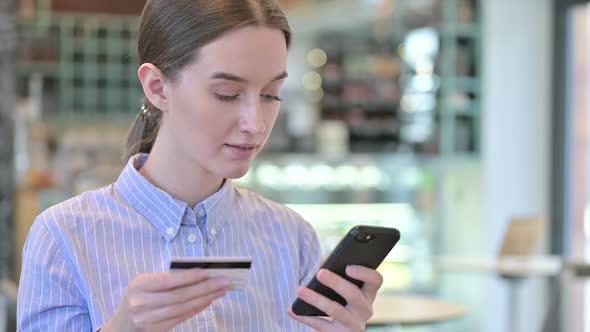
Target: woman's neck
180, 176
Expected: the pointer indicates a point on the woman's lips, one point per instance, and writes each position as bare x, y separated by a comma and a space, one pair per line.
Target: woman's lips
242, 151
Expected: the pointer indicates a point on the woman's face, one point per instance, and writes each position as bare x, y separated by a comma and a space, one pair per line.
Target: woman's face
222, 107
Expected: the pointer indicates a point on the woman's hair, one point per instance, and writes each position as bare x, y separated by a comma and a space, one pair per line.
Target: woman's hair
171, 32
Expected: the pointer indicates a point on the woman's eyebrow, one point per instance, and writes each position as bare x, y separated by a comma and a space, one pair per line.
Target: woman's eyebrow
235, 78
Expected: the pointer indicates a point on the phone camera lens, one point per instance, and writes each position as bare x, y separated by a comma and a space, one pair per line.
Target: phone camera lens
363, 237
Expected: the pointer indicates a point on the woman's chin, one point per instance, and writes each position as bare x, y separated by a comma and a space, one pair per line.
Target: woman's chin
236, 172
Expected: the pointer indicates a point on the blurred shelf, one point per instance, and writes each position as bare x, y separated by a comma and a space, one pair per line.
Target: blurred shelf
472, 110
308, 19
45, 68
468, 112
368, 81
115, 118
93, 67
470, 30
47, 18
466, 84
366, 105
389, 159
400, 213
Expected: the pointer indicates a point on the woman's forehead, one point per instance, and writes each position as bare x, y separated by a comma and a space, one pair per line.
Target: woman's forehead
249, 53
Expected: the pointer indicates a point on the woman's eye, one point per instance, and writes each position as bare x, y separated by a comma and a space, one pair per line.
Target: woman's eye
226, 97
271, 98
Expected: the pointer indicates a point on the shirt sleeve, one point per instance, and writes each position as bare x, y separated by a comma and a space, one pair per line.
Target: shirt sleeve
311, 254
49, 297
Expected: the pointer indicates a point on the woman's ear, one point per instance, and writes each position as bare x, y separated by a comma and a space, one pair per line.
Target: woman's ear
152, 82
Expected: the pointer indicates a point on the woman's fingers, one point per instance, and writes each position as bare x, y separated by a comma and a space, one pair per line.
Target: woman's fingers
372, 280
358, 304
177, 313
164, 281
186, 293
331, 308
178, 295
359, 308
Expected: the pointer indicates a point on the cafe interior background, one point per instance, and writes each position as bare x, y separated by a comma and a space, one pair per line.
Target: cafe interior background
451, 120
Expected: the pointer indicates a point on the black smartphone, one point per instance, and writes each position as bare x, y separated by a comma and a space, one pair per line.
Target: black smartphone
362, 245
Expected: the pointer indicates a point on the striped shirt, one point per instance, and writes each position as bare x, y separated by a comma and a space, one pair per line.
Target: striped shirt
81, 254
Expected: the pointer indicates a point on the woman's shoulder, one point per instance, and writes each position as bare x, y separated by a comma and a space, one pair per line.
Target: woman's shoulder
76, 208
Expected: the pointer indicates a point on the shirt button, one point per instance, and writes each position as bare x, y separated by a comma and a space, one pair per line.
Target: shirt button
201, 213
213, 231
170, 230
192, 238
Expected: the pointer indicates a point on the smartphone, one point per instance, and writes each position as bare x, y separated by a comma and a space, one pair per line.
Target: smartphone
362, 245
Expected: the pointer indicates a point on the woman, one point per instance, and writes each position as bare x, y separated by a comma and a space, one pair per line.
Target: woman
212, 73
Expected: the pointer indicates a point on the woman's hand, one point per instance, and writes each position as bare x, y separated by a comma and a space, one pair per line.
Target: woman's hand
353, 316
160, 301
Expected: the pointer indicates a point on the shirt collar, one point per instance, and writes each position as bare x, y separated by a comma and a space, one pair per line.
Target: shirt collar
215, 208
165, 212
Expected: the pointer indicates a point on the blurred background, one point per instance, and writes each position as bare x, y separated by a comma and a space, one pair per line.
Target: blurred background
452, 120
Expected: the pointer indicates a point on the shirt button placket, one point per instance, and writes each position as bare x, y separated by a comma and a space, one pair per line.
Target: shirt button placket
192, 238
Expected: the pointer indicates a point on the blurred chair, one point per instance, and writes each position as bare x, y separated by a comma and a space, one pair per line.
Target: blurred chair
517, 259
523, 237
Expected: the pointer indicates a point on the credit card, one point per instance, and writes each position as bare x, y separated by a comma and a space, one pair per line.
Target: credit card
235, 268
